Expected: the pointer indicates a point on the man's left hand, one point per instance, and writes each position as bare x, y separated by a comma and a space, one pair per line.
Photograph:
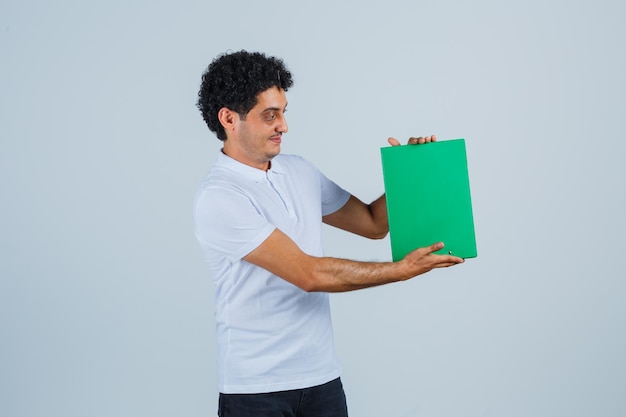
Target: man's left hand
413, 141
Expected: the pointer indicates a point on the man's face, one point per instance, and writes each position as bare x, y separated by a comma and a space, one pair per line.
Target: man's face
256, 140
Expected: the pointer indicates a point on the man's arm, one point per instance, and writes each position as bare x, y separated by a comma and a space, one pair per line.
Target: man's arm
368, 220
281, 256
357, 217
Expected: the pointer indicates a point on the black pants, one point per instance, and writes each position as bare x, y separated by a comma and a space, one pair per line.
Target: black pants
327, 400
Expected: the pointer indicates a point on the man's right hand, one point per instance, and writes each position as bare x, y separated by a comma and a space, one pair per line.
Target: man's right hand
424, 259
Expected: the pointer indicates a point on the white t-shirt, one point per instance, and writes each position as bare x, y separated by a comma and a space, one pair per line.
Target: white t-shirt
271, 335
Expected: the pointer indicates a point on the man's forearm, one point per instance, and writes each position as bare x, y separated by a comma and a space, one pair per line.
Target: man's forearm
340, 275
281, 256
378, 209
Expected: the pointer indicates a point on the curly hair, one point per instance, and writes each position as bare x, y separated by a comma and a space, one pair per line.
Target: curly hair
234, 80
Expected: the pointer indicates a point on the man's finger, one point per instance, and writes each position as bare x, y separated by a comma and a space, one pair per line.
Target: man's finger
393, 142
447, 264
435, 247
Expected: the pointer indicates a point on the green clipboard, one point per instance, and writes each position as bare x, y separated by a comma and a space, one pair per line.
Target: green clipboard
428, 198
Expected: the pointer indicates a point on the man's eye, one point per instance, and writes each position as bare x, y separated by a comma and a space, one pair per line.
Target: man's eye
270, 116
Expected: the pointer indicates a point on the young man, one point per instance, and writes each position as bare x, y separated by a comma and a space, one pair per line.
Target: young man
258, 219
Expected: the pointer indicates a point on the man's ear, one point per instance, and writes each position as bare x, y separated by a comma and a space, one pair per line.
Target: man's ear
227, 118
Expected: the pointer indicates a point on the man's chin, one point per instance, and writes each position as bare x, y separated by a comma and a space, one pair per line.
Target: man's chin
274, 152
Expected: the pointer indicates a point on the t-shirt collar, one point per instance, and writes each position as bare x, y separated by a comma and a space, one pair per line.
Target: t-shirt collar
255, 174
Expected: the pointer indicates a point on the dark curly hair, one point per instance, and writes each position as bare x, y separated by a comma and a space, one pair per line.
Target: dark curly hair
234, 80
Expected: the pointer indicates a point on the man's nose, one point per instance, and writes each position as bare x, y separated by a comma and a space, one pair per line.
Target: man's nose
282, 126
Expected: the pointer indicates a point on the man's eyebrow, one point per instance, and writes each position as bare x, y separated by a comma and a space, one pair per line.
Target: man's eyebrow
274, 109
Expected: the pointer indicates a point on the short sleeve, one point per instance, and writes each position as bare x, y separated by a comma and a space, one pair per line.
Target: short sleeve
333, 196
227, 222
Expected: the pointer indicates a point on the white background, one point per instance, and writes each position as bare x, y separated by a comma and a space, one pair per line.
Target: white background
105, 303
